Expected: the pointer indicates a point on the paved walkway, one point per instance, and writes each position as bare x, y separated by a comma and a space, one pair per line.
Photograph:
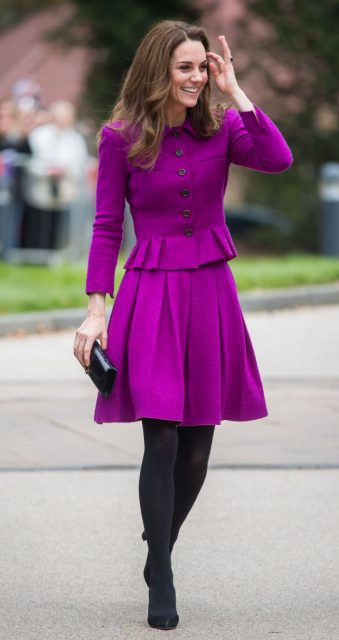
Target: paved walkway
257, 556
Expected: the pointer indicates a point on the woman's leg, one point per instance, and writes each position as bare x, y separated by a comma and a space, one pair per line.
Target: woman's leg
190, 469
156, 494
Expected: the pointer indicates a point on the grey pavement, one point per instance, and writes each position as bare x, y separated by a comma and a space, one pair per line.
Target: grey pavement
258, 554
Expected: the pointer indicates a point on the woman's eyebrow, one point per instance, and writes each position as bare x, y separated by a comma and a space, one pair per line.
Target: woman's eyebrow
190, 61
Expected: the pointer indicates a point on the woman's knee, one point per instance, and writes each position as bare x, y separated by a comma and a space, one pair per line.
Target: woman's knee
161, 439
195, 446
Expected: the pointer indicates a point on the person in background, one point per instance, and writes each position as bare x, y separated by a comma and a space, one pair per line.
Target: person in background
55, 174
12, 134
14, 153
57, 145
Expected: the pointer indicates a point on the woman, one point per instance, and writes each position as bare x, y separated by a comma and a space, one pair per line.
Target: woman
176, 332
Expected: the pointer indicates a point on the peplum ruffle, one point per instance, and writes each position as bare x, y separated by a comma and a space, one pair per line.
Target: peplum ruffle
181, 251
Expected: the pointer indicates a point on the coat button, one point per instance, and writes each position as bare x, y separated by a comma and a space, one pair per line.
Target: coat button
185, 193
186, 213
176, 134
188, 231
182, 172
179, 153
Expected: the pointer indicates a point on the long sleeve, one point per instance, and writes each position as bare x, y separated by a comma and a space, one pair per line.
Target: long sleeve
109, 216
255, 142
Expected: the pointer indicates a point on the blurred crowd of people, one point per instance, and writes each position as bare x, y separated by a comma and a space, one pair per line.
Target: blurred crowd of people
44, 166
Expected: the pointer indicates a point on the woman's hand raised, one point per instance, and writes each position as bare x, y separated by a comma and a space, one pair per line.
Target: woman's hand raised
222, 69
224, 76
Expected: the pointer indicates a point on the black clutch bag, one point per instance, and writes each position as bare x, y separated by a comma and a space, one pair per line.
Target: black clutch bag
101, 371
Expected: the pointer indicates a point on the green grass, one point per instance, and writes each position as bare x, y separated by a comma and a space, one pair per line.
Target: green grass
32, 288
283, 271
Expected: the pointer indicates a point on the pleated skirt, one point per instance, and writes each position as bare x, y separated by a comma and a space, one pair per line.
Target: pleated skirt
182, 349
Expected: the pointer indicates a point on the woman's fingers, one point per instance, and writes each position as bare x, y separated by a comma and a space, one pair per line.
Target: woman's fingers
225, 47
103, 341
214, 69
79, 347
222, 69
85, 336
83, 352
87, 351
219, 61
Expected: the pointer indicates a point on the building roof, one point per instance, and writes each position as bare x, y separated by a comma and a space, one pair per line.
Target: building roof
26, 53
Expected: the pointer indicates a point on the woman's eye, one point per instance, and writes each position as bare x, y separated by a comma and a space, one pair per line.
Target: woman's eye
186, 68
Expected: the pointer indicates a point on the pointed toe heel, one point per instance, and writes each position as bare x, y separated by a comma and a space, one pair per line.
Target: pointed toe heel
163, 622
162, 612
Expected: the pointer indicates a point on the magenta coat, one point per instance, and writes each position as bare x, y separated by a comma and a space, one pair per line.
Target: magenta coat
176, 332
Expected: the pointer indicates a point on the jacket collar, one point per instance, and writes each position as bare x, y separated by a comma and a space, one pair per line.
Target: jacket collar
187, 126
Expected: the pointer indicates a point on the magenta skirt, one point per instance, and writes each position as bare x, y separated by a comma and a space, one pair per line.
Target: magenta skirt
182, 349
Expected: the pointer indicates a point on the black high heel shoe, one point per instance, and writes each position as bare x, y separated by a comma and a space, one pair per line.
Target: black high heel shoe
163, 621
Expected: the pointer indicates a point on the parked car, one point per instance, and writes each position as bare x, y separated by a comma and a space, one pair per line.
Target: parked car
258, 227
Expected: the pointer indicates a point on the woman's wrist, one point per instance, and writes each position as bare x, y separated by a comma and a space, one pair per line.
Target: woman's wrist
96, 305
240, 101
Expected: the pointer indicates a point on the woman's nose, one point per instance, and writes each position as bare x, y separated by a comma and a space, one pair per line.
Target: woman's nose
196, 76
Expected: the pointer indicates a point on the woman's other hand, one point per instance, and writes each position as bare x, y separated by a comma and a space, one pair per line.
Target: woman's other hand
222, 69
93, 327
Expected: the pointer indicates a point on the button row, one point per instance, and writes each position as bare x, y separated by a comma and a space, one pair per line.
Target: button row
185, 192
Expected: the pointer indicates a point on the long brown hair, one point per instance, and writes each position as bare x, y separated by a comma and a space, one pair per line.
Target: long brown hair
140, 107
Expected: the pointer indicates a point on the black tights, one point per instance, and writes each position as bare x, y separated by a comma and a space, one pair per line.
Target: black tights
173, 470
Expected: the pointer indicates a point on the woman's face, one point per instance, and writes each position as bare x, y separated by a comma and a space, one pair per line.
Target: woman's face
188, 69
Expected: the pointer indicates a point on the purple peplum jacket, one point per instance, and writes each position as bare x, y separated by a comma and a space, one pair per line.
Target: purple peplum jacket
177, 207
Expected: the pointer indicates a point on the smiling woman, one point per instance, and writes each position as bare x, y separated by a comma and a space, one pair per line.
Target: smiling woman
176, 334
